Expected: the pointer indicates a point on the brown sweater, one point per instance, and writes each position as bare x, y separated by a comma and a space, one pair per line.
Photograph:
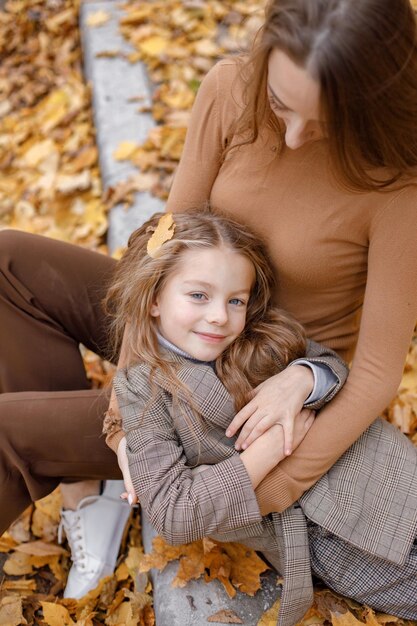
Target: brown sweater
346, 262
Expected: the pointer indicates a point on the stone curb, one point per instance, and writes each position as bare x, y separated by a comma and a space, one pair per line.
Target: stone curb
114, 82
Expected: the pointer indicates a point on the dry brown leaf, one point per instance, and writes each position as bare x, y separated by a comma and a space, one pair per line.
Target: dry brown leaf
38, 152
388, 619
19, 530
41, 548
56, 614
67, 183
345, 619
11, 612
163, 232
225, 616
7, 543
18, 564
124, 615
191, 565
22, 587
328, 602
246, 568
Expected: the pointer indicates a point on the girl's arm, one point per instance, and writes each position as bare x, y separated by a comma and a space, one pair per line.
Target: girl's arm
181, 505
388, 318
262, 456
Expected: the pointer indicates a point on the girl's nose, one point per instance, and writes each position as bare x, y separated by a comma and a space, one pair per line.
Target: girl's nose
217, 314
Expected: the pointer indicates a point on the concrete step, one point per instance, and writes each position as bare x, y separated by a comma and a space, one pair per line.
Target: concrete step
115, 81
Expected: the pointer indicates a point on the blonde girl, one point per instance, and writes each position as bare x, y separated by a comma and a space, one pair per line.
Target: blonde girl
200, 334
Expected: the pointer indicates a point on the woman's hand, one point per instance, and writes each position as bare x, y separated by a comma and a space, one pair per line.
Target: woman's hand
129, 494
278, 400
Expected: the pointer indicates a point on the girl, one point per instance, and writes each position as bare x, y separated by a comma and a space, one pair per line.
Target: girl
201, 331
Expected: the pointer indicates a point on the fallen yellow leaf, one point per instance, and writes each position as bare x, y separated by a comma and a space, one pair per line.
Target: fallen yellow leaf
164, 232
270, 617
56, 615
98, 18
153, 46
124, 150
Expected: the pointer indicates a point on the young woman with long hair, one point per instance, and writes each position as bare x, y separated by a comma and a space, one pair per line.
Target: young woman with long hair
202, 334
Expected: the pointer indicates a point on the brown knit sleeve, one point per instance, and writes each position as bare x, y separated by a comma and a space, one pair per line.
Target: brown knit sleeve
211, 117
388, 319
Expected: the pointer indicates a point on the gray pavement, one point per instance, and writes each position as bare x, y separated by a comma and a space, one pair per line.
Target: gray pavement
114, 82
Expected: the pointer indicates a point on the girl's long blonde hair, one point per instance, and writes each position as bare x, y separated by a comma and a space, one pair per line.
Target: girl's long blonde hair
271, 337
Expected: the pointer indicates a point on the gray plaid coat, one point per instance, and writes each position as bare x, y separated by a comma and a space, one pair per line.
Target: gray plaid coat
368, 498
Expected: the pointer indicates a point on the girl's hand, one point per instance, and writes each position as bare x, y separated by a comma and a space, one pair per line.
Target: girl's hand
267, 451
129, 494
278, 400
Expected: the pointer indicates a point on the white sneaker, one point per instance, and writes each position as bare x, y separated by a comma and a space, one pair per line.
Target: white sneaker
94, 532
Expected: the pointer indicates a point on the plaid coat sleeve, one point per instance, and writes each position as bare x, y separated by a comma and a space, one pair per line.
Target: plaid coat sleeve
181, 504
317, 353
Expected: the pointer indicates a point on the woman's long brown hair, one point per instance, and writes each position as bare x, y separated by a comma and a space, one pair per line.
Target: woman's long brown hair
364, 55
271, 337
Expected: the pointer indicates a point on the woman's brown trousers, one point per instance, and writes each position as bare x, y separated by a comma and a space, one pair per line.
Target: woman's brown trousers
50, 421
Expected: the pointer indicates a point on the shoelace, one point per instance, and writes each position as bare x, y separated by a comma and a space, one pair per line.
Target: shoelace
73, 533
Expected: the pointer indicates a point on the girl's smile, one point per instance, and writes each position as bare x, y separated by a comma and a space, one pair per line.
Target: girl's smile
202, 306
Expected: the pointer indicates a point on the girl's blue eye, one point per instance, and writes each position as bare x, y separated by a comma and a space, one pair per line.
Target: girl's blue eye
197, 296
237, 301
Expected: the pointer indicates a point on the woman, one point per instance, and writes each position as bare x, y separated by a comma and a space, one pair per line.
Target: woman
323, 117
327, 178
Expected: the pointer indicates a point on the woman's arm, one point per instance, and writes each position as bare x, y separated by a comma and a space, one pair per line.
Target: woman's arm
388, 319
280, 399
205, 140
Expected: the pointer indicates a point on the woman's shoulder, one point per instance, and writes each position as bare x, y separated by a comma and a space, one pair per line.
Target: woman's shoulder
226, 69
223, 82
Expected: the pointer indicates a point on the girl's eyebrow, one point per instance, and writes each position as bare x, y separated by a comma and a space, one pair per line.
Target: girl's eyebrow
202, 283
280, 102
197, 282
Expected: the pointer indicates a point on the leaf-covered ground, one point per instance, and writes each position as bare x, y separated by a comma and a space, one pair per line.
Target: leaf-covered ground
50, 184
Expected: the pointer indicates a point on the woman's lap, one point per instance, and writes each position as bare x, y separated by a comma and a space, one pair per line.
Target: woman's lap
50, 421
50, 301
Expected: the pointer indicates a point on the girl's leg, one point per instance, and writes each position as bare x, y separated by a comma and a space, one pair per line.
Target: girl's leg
378, 583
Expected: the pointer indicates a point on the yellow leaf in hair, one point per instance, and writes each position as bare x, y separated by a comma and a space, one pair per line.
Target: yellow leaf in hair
164, 232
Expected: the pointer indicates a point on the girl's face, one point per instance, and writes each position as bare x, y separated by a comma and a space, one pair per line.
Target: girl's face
294, 97
202, 307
